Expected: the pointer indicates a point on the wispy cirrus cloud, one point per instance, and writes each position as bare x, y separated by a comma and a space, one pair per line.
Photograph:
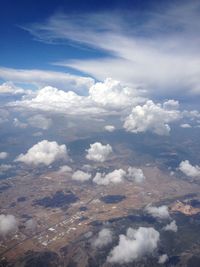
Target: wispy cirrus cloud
157, 49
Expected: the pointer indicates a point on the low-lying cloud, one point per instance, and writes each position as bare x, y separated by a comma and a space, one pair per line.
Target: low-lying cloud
98, 152
161, 212
44, 152
104, 238
188, 169
114, 177
8, 225
134, 245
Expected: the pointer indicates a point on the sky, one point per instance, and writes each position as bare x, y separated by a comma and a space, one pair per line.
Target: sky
151, 44
21, 50
71, 70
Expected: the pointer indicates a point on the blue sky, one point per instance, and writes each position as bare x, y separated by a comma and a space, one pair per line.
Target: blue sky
19, 49
153, 44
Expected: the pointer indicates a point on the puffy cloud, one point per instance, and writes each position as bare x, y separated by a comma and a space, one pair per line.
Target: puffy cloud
162, 259
8, 224
188, 169
3, 155
40, 121
104, 238
98, 152
171, 104
44, 152
151, 117
171, 227
51, 99
109, 128
65, 169
81, 176
113, 94
134, 245
161, 212
105, 97
115, 177
185, 125
135, 174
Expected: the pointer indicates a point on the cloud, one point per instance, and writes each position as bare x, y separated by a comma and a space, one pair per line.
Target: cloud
171, 227
151, 117
52, 99
98, 152
162, 259
3, 155
115, 177
81, 176
44, 152
65, 169
42, 78
10, 88
188, 169
135, 174
40, 121
171, 104
105, 98
134, 245
109, 128
111, 93
161, 212
8, 225
104, 238
160, 52
185, 125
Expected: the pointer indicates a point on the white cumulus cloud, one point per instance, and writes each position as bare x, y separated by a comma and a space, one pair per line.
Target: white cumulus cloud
161, 212
162, 259
109, 128
81, 176
8, 224
65, 169
112, 94
99, 152
52, 99
188, 169
44, 152
115, 177
185, 125
171, 227
151, 117
104, 238
3, 155
134, 245
135, 174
